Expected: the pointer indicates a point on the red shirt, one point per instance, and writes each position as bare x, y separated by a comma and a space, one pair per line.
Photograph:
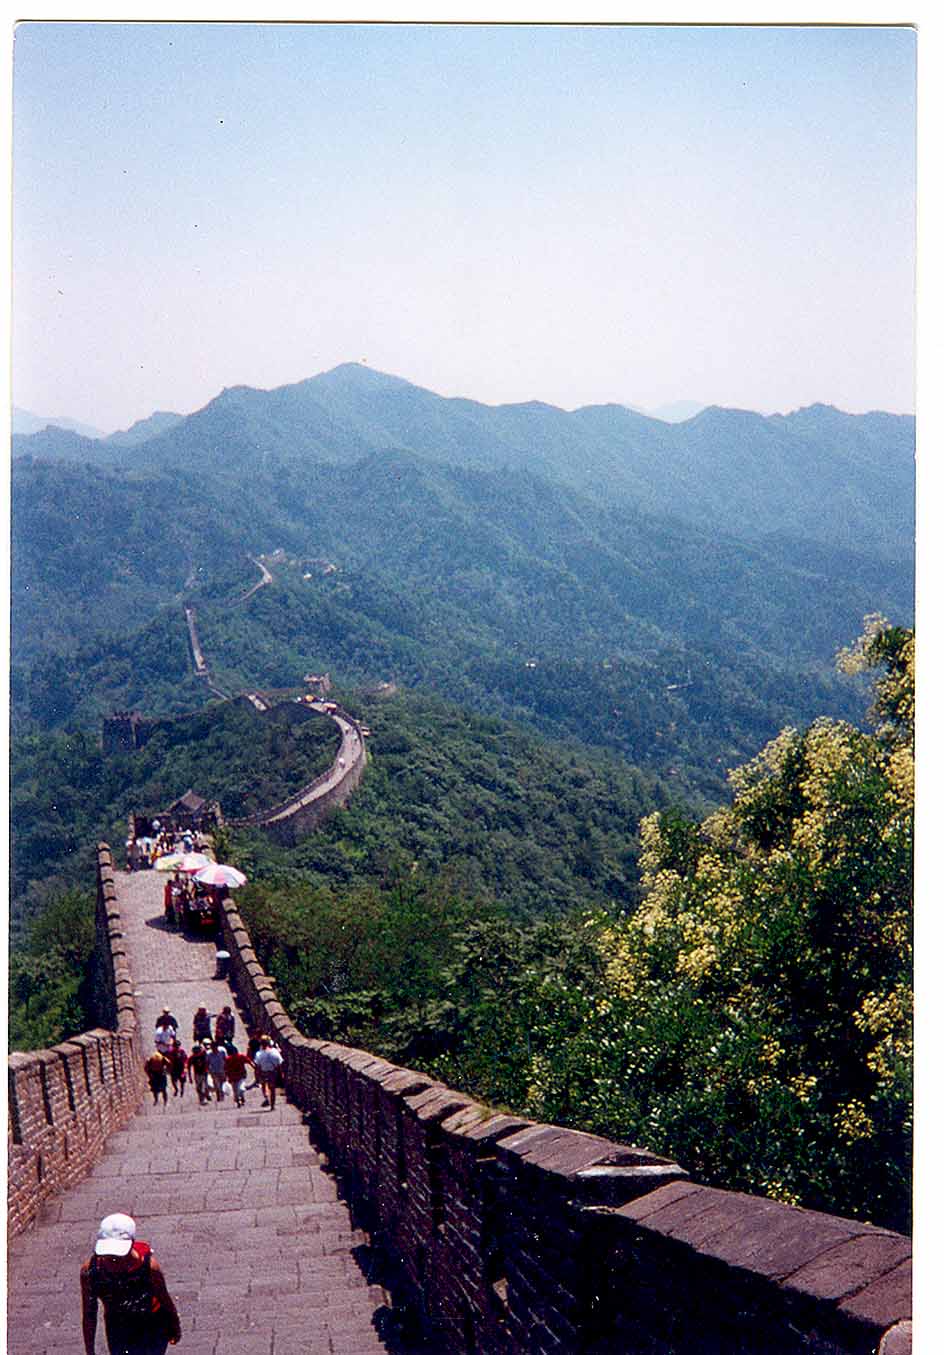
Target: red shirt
235, 1066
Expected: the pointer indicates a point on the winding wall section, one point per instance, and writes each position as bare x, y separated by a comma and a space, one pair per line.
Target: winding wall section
298, 815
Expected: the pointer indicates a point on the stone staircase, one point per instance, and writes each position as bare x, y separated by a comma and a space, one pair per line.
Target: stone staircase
258, 1249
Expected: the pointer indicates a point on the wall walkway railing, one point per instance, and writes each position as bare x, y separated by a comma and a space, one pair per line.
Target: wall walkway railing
65, 1101
503, 1235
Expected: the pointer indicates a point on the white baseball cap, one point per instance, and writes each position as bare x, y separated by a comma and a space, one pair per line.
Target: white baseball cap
115, 1235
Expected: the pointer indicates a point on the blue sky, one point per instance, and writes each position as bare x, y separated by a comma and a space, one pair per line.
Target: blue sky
575, 215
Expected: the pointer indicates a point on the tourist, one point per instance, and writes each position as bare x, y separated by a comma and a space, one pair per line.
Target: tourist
268, 1062
170, 891
235, 1068
199, 1071
140, 1316
157, 1067
164, 1037
252, 1049
201, 1023
225, 1027
166, 1018
216, 1059
177, 1059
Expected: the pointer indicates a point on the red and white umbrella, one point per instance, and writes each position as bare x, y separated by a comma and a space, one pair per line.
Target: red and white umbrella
221, 875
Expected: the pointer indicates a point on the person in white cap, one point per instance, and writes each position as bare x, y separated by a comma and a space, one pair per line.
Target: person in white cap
140, 1315
268, 1061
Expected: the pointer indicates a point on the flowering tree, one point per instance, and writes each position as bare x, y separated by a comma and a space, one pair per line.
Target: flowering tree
756, 1015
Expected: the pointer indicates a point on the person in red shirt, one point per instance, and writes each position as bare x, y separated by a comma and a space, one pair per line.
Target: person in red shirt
234, 1070
177, 1058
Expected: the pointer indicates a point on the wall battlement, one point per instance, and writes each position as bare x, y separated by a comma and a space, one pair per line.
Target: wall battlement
65, 1101
499, 1235
510, 1237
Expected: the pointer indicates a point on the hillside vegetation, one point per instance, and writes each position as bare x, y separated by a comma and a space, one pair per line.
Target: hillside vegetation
751, 1018
67, 795
730, 982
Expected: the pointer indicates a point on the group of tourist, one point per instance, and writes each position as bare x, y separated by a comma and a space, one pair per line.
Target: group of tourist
142, 852
214, 1065
183, 896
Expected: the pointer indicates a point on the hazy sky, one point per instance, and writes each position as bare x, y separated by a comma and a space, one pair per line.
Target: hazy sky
574, 215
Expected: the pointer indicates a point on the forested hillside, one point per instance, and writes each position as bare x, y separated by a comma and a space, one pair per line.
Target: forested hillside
67, 794
661, 601
817, 473
682, 648
751, 1018
512, 823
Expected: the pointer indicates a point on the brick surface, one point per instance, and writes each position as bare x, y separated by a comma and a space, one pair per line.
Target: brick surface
255, 1243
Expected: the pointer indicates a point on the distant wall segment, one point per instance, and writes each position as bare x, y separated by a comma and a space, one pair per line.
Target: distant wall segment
65, 1101
506, 1236
301, 813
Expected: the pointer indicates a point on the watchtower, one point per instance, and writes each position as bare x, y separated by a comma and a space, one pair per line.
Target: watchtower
122, 732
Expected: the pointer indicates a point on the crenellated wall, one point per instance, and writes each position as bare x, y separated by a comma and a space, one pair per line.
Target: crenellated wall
65, 1101
502, 1235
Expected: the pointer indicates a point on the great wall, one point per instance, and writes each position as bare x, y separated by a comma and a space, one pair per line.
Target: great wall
382, 1210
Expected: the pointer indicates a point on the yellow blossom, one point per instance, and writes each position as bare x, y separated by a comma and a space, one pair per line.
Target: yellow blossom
852, 1122
802, 1087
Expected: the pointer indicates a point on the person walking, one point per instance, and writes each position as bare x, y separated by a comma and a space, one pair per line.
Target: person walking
225, 1027
165, 1032
252, 1049
235, 1068
201, 1023
199, 1071
156, 1067
268, 1061
177, 1058
141, 1318
216, 1059
166, 1018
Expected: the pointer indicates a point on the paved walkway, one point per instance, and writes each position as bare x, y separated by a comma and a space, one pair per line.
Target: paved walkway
258, 1250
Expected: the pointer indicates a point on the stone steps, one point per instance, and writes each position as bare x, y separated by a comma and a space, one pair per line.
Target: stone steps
257, 1248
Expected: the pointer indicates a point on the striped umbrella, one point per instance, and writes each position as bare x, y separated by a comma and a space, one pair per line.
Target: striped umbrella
221, 875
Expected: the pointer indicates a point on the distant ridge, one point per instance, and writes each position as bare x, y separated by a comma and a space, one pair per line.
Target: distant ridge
158, 422
818, 474
25, 422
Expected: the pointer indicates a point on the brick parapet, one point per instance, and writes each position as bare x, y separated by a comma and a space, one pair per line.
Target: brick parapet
65, 1101
506, 1236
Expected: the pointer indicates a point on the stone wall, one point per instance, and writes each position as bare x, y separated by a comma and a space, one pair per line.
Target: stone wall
301, 813
501, 1235
64, 1102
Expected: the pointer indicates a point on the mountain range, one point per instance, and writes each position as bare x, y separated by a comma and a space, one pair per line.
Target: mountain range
23, 421
613, 552
845, 480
